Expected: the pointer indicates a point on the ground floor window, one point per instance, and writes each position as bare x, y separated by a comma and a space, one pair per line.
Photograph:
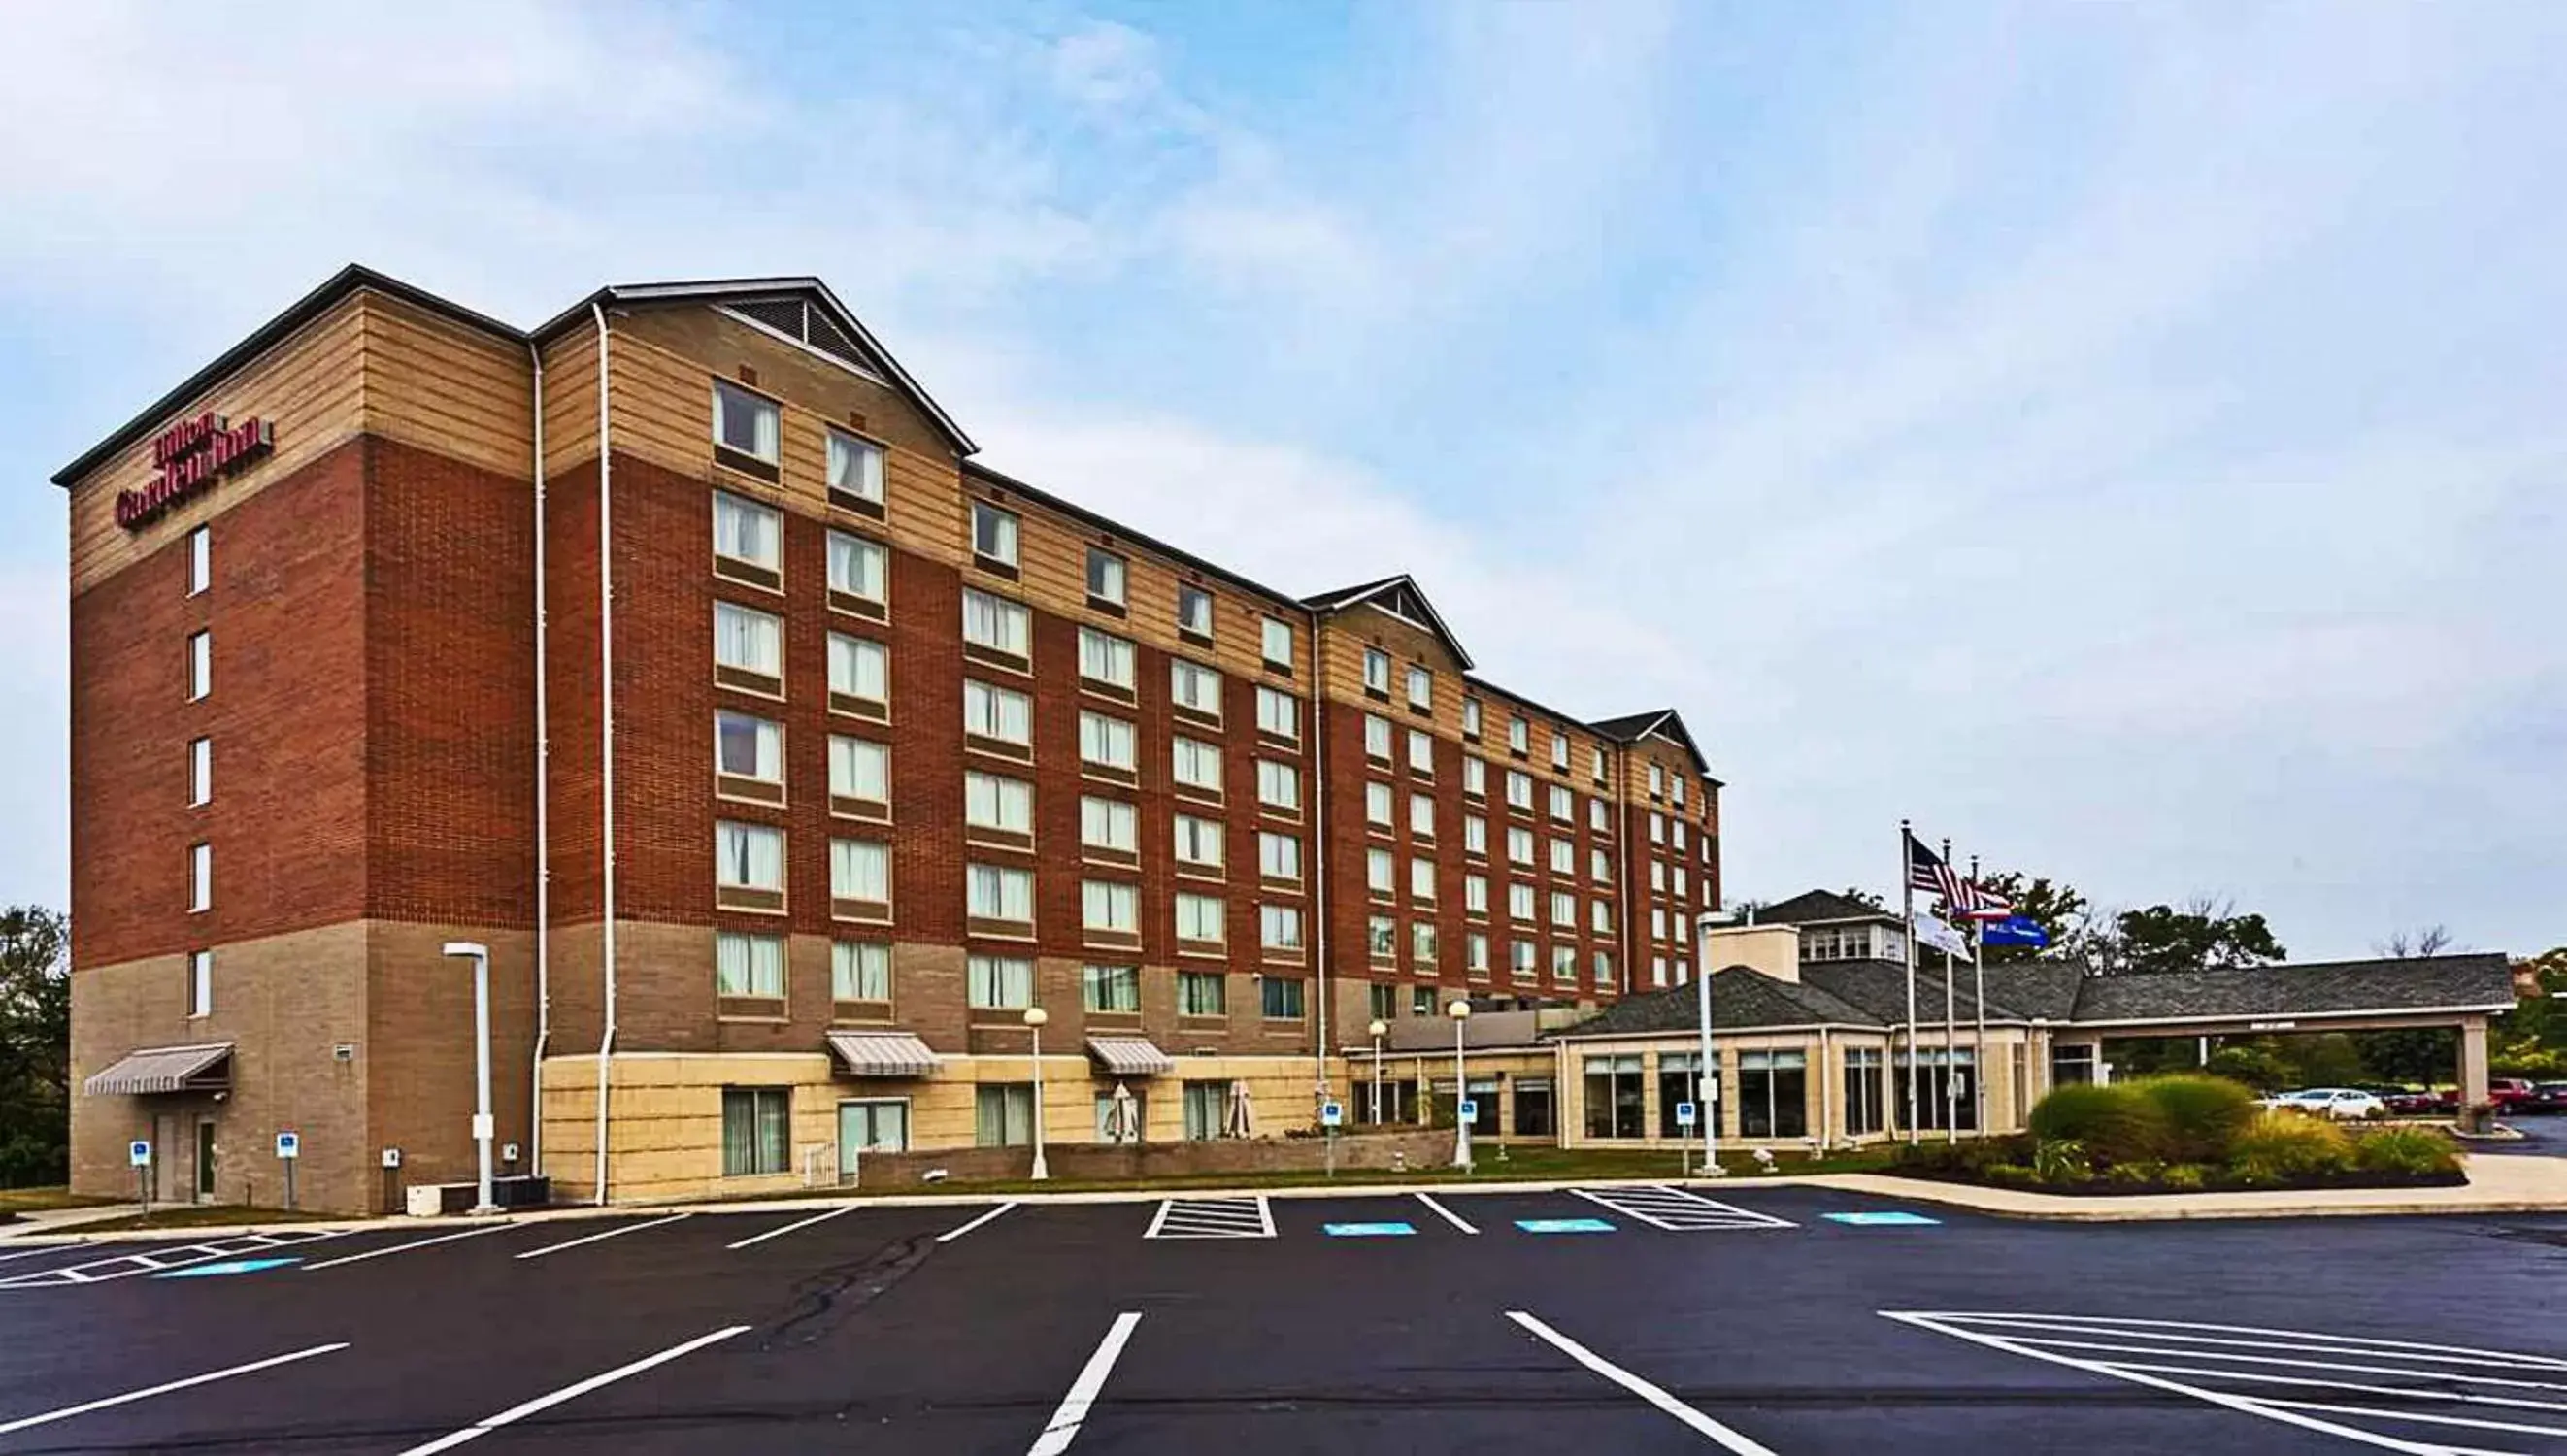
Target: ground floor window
1280, 998
1398, 1101
1676, 1084
1202, 993
757, 1130
1535, 1114
1862, 1097
2072, 1063
870, 1127
1773, 1094
1126, 1125
1484, 1109
1003, 1114
1207, 1106
1613, 1097
1944, 1082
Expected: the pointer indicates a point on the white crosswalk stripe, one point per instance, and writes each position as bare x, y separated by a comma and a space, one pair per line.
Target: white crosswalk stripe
1679, 1210
1213, 1218
126, 1265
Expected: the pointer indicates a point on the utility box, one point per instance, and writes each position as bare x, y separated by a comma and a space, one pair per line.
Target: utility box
430, 1200
527, 1190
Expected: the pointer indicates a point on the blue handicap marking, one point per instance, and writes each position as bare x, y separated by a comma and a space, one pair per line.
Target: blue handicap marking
228, 1266
1893, 1220
1368, 1231
1565, 1226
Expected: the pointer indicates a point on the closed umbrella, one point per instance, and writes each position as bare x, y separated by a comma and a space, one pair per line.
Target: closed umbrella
1123, 1116
1243, 1114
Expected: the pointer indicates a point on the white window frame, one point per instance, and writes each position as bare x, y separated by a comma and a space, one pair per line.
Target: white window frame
1188, 595
1118, 574
1198, 841
1195, 762
1278, 856
857, 968
852, 660
732, 834
200, 983
847, 548
1004, 533
200, 772
1278, 712
860, 869
997, 622
995, 801
1109, 823
762, 632
1194, 686
763, 965
200, 561
853, 454
737, 517
990, 891
1421, 685
1111, 906
1376, 671
200, 665
767, 749
851, 761
1196, 911
766, 420
1001, 709
1278, 785
1099, 733
1106, 657
1275, 642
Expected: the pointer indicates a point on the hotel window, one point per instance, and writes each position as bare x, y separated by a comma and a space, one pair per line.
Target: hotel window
993, 534
1110, 988
1596, 762
1563, 805
1278, 785
1518, 790
1773, 1094
200, 665
1657, 780
1105, 577
999, 892
1685, 969
1378, 931
1563, 962
858, 567
1470, 718
1600, 917
1377, 872
1563, 857
1596, 815
1475, 894
1862, 1097
1421, 949
1105, 905
1519, 846
1421, 880
1676, 789
1199, 842
748, 965
1603, 970
748, 642
994, 623
1279, 998
1000, 983
201, 771
1475, 834
748, 748
1679, 885
1105, 658
1202, 993
993, 802
1421, 752
1376, 737
1198, 765
1519, 735
1003, 1114
1278, 714
751, 534
1377, 804
1658, 925
1613, 1097
1421, 688
859, 870
1520, 904
1202, 918
1195, 688
1658, 876
1564, 909
1106, 741
1278, 856
1376, 672
1520, 959
744, 423
1109, 824
1279, 927
1421, 815
859, 670
748, 858
859, 971
996, 712
200, 983
1559, 751
200, 560
1194, 610
855, 467
1657, 970
1381, 1001
757, 1131
1475, 777
1657, 828
1599, 866
1475, 954
1277, 643
1678, 837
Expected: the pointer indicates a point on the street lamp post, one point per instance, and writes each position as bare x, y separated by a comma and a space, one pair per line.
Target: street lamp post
1460, 1012
1035, 1019
1379, 1029
1706, 1076
483, 1125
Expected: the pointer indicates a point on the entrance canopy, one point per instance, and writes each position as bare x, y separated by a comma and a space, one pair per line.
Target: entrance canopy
205, 1067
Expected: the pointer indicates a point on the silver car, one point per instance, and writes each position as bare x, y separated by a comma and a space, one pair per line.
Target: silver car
2342, 1103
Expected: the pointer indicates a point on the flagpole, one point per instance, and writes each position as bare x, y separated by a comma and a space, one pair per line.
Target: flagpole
1951, 1036
1908, 936
1979, 1035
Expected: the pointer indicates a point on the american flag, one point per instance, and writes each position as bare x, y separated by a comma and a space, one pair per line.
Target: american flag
1978, 902
1926, 871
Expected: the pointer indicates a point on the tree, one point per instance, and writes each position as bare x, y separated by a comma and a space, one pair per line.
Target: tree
2204, 933
2411, 945
35, 1045
2532, 1041
1866, 897
2054, 906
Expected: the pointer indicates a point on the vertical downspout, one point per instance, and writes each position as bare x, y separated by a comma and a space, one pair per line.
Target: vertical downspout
1316, 863
544, 802
1622, 879
606, 736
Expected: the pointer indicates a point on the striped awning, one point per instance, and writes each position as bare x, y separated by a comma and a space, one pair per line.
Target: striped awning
205, 1068
1129, 1057
882, 1054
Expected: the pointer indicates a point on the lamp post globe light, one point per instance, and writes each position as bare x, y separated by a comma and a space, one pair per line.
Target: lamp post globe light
1460, 1012
1379, 1029
483, 1128
1035, 1019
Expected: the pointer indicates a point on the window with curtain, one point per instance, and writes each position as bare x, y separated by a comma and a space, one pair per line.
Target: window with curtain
1194, 687
859, 869
1277, 643
1003, 1114
748, 965
1111, 987
860, 970
1278, 714
1197, 764
859, 769
1108, 824
855, 466
1278, 856
748, 856
1279, 927
1106, 576
752, 642
1109, 905
859, 666
994, 621
990, 801
758, 1124
999, 892
996, 712
1198, 841
858, 567
1280, 998
998, 983
993, 533
1105, 742
748, 748
1202, 993
1278, 785
1105, 658
743, 421
1201, 918
746, 530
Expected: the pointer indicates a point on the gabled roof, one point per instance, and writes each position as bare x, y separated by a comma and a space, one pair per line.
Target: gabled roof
2320, 987
825, 324
1820, 907
1662, 724
1400, 597
1742, 1000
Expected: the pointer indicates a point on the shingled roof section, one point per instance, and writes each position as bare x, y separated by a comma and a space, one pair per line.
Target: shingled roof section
1820, 907
1741, 1001
2424, 983
2035, 990
1880, 987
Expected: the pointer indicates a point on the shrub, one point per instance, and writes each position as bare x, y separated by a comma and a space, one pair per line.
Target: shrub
2417, 1151
2010, 1175
2279, 1147
2202, 1114
2117, 1123
2185, 1177
2061, 1160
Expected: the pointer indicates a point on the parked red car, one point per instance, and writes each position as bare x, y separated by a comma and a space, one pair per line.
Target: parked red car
2510, 1095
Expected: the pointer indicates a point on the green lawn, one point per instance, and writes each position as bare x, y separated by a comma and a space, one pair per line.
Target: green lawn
27, 1200
201, 1215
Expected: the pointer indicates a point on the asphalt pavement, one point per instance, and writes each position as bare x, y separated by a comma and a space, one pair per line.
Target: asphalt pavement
1608, 1321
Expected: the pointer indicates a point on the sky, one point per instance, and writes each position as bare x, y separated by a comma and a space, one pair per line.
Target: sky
2125, 440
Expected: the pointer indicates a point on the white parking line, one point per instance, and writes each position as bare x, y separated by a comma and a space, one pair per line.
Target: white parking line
207, 1378
39, 1249
949, 1235
791, 1228
127, 1265
609, 1234
516, 1413
1678, 1210
1729, 1439
1446, 1214
405, 1248
1213, 1218
1063, 1426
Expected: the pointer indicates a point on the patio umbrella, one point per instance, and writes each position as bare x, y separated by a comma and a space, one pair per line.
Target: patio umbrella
1242, 1121
1123, 1116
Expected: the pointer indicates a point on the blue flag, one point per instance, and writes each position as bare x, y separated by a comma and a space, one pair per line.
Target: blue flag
2014, 929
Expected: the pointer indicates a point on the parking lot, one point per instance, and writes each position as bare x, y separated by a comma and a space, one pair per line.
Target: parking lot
1606, 1319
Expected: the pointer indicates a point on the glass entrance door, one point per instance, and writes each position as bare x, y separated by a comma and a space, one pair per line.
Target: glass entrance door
205, 1161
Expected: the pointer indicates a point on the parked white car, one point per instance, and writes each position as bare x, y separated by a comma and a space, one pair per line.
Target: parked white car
2343, 1103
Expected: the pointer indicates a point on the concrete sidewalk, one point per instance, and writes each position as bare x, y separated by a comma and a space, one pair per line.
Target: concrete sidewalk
2499, 1185
39, 1222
